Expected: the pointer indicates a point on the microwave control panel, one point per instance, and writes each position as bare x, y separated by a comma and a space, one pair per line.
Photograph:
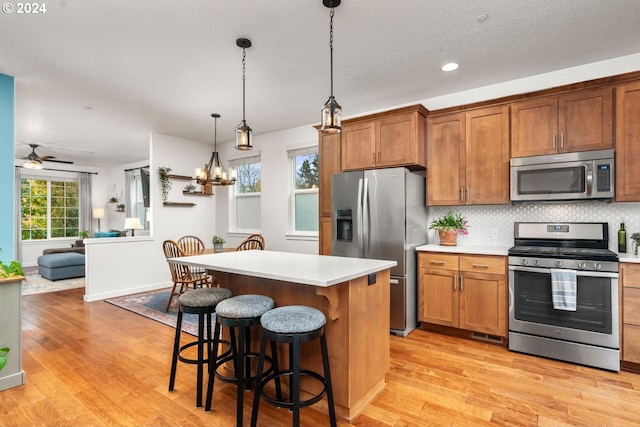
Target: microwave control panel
604, 177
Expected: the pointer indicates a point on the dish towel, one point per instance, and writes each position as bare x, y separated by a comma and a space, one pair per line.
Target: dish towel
564, 289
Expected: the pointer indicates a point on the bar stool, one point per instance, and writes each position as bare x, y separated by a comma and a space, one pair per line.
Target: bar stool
202, 302
294, 324
239, 312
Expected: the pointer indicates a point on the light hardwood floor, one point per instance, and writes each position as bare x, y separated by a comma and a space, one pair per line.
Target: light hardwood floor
93, 364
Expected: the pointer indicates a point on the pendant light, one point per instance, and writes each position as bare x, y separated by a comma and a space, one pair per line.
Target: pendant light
214, 172
331, 112
243, 131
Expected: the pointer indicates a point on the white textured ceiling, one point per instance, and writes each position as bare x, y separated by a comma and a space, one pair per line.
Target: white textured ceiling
164, 66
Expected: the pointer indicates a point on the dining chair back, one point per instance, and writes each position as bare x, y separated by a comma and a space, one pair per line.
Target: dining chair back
191, 245
258, 237
181, 274
249, 244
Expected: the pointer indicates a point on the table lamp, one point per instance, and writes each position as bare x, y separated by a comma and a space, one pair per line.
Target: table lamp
98, 213
132, 224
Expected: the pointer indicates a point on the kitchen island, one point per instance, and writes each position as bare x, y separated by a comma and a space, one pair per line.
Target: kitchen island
353, 293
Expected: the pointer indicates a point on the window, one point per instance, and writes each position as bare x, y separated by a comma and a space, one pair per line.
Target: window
244, 198
49, 209
304, 196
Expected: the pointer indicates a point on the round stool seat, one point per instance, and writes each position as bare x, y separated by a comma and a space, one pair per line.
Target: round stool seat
244, 306
293, 319
204, 297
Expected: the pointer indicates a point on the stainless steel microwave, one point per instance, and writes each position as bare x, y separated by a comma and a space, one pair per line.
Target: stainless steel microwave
582, 175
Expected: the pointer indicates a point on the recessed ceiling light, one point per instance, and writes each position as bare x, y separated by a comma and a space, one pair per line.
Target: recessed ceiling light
482, 17
88, 107
450, 66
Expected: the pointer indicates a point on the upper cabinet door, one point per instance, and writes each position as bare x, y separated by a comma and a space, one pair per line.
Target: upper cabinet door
581, 120
487, 156
446, 160
628, 143
586, 120
359, 145
399, 141
534, 127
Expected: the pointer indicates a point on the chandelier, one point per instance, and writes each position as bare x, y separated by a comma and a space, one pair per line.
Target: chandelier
214, 172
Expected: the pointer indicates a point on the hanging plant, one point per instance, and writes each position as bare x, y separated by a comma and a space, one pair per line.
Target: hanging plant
165, 183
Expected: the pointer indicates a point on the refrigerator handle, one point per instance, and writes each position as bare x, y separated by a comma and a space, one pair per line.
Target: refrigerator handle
365, 215
359, 219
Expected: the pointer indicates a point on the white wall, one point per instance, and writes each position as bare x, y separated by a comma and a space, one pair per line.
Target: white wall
274, 213
125, 265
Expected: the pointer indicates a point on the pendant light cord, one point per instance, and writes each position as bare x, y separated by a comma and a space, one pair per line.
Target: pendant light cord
331, 45
244, 54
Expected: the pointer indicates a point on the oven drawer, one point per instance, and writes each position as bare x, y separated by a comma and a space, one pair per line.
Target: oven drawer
484, 264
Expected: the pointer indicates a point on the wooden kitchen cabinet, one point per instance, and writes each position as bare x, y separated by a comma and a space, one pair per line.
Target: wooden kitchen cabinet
463, 291
581, 120
468, 157
628, 142
630, 282
328, 164
394, 138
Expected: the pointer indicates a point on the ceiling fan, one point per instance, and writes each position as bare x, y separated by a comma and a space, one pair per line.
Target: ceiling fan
34, 161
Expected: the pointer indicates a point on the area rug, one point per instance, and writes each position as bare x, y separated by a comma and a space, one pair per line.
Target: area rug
152, 305
36, 284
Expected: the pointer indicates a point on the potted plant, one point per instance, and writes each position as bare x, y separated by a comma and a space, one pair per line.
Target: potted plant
82, 235
165, 183
217, 243
636, 241
189, 187
449, 227
3, 356
120, 208
13, 269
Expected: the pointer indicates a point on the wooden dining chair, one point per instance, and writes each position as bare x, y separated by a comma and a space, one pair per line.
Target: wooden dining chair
183, 277
191, 245
249, 244
258, 237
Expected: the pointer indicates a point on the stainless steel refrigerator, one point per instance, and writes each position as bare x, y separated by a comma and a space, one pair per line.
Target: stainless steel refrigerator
381, 214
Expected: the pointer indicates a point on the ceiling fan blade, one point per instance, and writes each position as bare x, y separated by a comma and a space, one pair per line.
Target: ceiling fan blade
58, 161
46, 158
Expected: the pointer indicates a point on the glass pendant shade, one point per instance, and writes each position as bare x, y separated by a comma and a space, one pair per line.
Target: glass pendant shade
243, 137
32, 164
331, 116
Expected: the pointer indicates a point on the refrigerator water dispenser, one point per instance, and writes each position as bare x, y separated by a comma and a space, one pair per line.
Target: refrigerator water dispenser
344, 221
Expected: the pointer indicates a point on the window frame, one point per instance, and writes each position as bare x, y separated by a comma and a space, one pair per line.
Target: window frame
49, 179
234, 195
292, 233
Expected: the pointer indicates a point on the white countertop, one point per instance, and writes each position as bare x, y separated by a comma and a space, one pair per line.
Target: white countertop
479, 250
307, 269
629, 257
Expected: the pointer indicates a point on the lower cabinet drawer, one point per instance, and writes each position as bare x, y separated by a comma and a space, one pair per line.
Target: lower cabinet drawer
631, 343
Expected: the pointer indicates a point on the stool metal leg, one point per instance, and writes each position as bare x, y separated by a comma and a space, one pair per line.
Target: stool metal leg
212, 366
258, 387
176, 349
327, 377
200, 358
295, 381
240, 373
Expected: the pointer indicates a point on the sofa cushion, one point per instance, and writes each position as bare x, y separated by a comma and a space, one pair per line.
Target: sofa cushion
107, 234
63, 250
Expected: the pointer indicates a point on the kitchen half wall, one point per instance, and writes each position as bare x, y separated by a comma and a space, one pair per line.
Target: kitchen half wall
493, 225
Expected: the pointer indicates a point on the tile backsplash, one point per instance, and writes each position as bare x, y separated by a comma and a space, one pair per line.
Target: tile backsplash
493, 225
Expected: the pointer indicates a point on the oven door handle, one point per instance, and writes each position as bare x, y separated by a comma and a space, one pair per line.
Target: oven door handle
578, 272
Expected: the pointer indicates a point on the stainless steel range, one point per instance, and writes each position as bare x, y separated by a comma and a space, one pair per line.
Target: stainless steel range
587, 332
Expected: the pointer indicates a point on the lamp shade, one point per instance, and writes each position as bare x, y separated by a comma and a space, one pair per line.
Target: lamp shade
98, 212
132, 224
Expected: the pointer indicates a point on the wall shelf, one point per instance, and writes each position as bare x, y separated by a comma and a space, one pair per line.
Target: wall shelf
181, 177
178, 204
196, 193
